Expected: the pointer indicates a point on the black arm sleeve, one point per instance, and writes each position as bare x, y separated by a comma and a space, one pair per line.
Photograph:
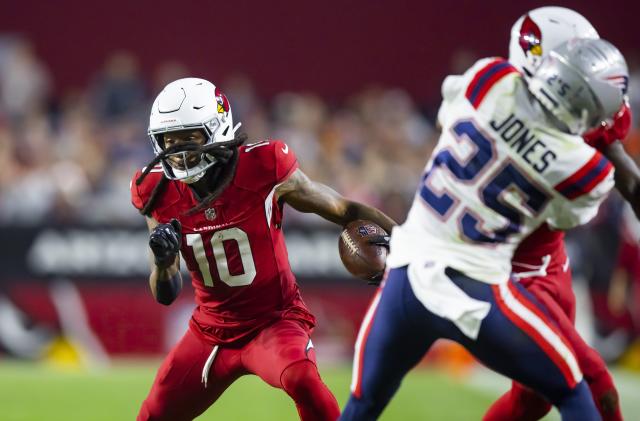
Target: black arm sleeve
167, 291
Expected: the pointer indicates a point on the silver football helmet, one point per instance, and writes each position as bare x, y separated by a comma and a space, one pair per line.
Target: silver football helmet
582, 83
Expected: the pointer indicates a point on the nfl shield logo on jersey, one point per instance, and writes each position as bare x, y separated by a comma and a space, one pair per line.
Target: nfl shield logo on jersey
210, 214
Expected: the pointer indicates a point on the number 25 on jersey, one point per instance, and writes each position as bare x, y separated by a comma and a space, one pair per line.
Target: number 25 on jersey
507, 177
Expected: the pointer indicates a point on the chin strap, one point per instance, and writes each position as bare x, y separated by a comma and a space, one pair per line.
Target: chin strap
236, 127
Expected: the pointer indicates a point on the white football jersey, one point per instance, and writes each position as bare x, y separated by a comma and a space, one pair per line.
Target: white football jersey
500, 169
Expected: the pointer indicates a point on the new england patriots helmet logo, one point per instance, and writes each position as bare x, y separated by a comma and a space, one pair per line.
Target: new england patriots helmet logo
621, 82
223, 102
530, 37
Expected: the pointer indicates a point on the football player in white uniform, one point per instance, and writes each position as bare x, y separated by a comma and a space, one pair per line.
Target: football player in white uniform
540, 262
510, 158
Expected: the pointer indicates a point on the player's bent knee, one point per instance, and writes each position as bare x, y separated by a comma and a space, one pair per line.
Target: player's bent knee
301, 379
314, 400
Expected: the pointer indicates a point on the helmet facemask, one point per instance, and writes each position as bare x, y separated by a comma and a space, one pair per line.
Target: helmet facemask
189, 161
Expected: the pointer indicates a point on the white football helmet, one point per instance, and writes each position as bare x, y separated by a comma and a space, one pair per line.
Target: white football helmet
541, 30
582, 82
190, 103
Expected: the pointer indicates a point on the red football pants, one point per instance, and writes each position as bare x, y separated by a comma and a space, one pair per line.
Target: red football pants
281, 355
555, 293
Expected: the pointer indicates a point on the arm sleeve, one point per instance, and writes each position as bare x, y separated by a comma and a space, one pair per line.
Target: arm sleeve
486, 78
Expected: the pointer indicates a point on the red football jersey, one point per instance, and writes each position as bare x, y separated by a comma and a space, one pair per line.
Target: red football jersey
541, 242
235, 248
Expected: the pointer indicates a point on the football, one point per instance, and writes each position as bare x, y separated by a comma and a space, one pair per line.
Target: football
361, 258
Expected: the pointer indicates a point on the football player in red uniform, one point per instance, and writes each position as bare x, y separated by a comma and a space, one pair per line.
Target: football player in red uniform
219, 203
541, 262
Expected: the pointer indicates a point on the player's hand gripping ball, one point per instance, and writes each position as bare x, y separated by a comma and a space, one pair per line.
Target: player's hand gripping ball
363, 248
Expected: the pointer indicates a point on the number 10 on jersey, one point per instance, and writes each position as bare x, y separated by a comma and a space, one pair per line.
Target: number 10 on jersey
195, 241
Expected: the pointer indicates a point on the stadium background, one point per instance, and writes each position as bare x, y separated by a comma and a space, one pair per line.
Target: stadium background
353, 87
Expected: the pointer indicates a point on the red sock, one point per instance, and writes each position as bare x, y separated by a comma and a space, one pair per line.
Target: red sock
314, 400
520, 404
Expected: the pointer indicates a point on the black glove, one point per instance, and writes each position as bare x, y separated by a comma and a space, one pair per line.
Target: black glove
380, 240
164, 241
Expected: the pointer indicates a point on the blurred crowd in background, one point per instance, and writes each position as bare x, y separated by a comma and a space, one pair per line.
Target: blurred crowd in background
68, 157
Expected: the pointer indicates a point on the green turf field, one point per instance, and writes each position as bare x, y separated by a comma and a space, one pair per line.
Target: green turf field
39, 392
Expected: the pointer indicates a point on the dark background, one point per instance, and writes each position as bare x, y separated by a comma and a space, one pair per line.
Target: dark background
331, 48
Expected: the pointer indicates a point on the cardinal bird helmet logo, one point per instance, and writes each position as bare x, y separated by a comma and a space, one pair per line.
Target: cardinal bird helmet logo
530, 37
223, 102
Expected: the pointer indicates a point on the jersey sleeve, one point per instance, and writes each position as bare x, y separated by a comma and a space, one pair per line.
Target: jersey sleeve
582, 193
265, 164
136, 196
141, 193
603, 136
286, 161
489, 79
486, 80
451, 86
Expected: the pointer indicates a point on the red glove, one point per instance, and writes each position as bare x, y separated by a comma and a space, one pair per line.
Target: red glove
606, 134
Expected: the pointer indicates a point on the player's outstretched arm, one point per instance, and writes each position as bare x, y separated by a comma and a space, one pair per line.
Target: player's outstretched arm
165, 280
308, 196
627, 175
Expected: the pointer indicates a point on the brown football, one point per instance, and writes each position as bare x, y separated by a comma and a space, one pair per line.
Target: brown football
361, 258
